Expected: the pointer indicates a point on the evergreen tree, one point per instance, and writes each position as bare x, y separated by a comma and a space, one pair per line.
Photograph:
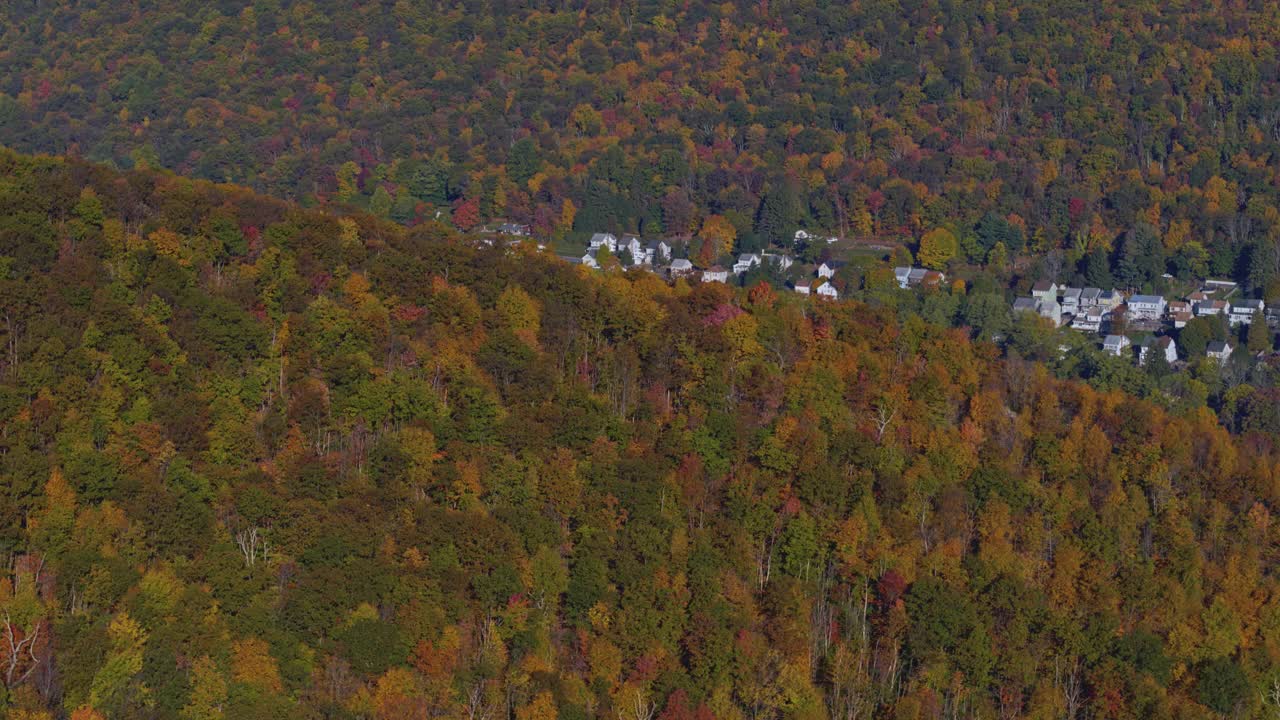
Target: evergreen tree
1097, 270
523, 161
779, 215
1258, 338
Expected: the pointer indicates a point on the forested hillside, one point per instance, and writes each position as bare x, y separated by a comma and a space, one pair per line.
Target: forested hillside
263, 462
1043, 126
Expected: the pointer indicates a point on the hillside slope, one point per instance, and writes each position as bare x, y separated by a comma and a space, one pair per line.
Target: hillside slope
260, 461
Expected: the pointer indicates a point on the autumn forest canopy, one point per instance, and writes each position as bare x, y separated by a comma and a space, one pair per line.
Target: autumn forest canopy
281, 438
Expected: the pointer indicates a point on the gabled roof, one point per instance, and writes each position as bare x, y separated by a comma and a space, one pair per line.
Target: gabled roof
1250, 304
1115, 341
681, 264
1217, 346
1043, 286
1071, 292
1024, 303
1146, 299
835, 264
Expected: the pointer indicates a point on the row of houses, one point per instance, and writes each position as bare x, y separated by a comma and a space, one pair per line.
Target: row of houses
654, 253
1088, 309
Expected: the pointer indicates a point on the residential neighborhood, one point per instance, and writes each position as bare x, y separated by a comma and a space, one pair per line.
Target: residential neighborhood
1113, 315
1141, 327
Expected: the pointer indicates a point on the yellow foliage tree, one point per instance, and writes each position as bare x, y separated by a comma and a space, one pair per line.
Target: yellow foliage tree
937, 247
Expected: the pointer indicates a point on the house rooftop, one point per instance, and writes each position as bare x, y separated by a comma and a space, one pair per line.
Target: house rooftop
1146, 299
1043, 286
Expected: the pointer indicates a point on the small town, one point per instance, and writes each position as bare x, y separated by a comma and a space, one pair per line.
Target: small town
1113, 316
1141, 327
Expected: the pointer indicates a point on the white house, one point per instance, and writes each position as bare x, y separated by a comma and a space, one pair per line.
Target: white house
1158, 346
658, 251
746, 261
1045, 290
829, 268
1146, 307
1088, 320
827, 290
1219, 351
1243, 310
1089, 297
607, 239
715, 273
802, 236
632, 245
1211, 307
1071, 300
1115, 345
903, 276
680, 266
803, 287
589, 259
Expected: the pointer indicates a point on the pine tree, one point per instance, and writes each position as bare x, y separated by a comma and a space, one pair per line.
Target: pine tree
779, 215
1259, 336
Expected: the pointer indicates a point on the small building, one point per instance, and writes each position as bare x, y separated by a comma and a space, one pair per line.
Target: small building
829, 268
1024, 305
933, 279
902, 275
1221, 287
715, 273
1089, 297
606, 239
1162, 346
1115, 345
802, 286
1071, 300
680, 266
1088, 320
827, 290
1146, 307
1219, 351
802, 236
1243, 311
589, 259
1180, 318
746, 261
631, 244
658, 251
513, 229
1045, 290
1211, 307
1110, 299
